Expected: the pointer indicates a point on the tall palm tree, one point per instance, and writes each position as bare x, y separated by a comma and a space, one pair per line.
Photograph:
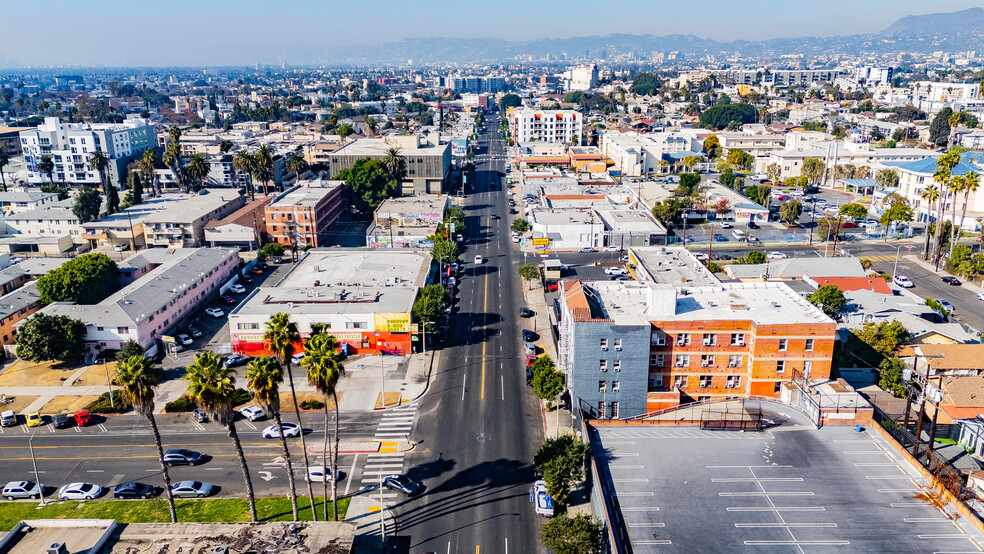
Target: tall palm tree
297, 164
324, 369
281, 334
931, 194
198, 168
213, 388
263, 169
971, 181
943, 176
4, 160
172, 159
371, 125
98, 162
263, 377
243, 163
957, 185
148, 164
138, 378
396, 163
47, 166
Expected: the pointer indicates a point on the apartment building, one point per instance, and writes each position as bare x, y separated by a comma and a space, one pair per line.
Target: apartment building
71, 144
304, 214
531, 125
582, 77
15, 306
182, 223
406, 222
54, 219
17, 201
428, 163
628, 348
756, 144
915, 176
244, 228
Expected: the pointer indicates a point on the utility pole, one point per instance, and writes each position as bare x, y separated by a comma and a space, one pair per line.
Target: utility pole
922, 404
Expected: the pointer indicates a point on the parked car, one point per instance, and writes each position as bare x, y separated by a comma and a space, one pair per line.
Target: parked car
699, 256
199, 415
236, 360
79, 491
317, 474
529, 348
22, 489
297, 357
82, 419
612, 249
184, 339
525, 312
944, 304
237, 288
753, 225
215, 312
256, 270
119, 248
951, 280
848, 225
194, 332
726, 225
227, 300
289, 429
776, 256
495, 216
246, 280
616, 270
404, 484
134, 489
182, 457
544, 504
980, 296
191, 489
586, 250
61, 421
529, 336
8, 418
34, 419
252, 413
903, 281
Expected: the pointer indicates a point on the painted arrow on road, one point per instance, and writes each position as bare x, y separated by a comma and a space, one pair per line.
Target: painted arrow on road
266, 475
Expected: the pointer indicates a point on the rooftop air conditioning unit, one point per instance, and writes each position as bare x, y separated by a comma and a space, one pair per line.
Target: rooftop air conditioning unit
704, 363
57, 548
222, 549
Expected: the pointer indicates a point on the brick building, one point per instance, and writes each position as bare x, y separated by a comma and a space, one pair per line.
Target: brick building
305, 213
629, 348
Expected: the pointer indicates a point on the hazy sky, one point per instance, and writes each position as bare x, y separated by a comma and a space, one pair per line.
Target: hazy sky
206, 32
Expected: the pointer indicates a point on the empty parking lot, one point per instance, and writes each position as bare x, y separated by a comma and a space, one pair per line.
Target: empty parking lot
790, 489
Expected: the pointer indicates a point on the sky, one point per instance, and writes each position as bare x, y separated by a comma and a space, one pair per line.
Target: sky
244, 32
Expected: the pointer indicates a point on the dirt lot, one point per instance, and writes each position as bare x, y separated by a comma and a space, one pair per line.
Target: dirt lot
392, 400
18, 404
96, 375
33, 374
67, 404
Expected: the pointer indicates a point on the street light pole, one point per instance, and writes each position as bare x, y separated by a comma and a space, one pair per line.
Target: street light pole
109, 383
34, 462
896, 268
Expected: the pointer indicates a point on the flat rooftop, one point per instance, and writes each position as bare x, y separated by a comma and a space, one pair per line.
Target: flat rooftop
169, 208
565, 217
632, 221
420, 206
671, 265
306, 196
379, 147
790, 489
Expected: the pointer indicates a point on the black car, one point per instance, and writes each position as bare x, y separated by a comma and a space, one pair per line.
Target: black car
525, 312
529, 336
246, 280
494, 216
404, 484
529, 375
182, 457
199, 415
194, 332
513, 211
753, 225
133, 489
62, 421
950, 280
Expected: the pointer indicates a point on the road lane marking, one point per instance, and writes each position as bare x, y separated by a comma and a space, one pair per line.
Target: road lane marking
502, 384
464, 376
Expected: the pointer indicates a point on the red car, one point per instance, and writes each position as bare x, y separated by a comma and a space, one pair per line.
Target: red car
849, 224
82, 419
551, 287
227, 300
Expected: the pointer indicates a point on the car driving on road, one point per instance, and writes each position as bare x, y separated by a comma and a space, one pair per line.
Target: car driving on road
903, 281
317, 474
402, 483
182, 457
236, 360
289, 429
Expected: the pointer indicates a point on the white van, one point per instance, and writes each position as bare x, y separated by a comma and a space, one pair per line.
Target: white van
8, 418
738, 234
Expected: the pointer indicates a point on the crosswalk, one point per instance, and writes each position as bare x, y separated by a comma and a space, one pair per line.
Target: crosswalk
883, 258
396, 423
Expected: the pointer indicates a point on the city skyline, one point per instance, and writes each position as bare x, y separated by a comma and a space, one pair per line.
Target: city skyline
213, 34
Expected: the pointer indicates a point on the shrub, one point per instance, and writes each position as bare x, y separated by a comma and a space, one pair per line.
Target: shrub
183, 404
102, 405
312, 404
241, 396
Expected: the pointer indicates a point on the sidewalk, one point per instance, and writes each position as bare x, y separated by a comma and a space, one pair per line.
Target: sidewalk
917, 259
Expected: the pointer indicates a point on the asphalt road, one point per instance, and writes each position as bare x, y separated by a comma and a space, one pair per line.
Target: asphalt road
479, 424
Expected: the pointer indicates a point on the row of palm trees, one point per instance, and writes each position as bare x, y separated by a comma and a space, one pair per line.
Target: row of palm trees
945, 190
213, 388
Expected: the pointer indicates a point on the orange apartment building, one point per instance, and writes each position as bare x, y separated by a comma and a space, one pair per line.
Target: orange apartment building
630, 348
305, 213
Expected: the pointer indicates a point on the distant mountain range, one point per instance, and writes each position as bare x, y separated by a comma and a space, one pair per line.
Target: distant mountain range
953, 32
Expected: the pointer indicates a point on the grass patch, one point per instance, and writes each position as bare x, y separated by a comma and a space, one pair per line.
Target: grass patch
155, 511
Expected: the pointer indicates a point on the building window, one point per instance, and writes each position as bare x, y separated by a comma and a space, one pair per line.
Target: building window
734, 381
657, 381
601, 409
618, 344
355, 325
615, 386
737, 339
734, 361
659, 339
780, 366
710, 339
656, 359
683, 339
680, 381
604, 344
602, 386
809, 345
705, 381
615, 409
603, 365
682, 360
782, 345
706, 360
247, 326
617, 365
778, 387
99, 328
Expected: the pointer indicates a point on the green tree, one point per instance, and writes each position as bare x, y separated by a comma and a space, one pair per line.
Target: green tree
573, 535
758, 194
243, 163
198, 168
138, 379
263, 377
51, 337
445, 251
853, 210
829, 227
297, 164
136, 188
4, 160
755, 257
270, 250
47, 166
520, 225
324, 369
884, 337
510, 101
774, 173
971, 182
740, 159
898, 210
395, 163
87, 279
887, 178
430, 303
128, 350
712, 146
281, 337
790, 211
529, 272
828, 298
645, 84
689, 182
112, 200
719, 117
667, 210
263, 166
98, 162
939, 129
548, 384
561, 460
890, 376
148, 165
213, 388
813, 170
172, 158
368, 183
87, 203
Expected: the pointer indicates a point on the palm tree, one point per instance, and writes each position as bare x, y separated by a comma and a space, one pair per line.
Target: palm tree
263, 377
322, 360
297, 164
213, 388
243, 163
138, 378
396, 163
148, 164
931, 195
971, 180
371, 125
47, 166
281, 334
174, 133
198, 168
943, 175
172, 159
98, 161
957, 185
4, 160
263, 168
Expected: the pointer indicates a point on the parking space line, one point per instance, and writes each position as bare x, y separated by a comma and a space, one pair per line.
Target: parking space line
907, 504
884, 477
898, 490
854, 452
950, 536
619, 442
782, 525
103, 428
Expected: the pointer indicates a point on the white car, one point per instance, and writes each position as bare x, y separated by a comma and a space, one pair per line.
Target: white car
297, 357
317, 474
612, 249
515, 238
252, 413
614, 270
980, 296
776, 256
290, 430
478, 260
237, 288
726, 225
700, 256
214, 312
79, 491
903, 281
184, 339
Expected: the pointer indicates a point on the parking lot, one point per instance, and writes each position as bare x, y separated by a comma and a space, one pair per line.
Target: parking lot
790, 489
